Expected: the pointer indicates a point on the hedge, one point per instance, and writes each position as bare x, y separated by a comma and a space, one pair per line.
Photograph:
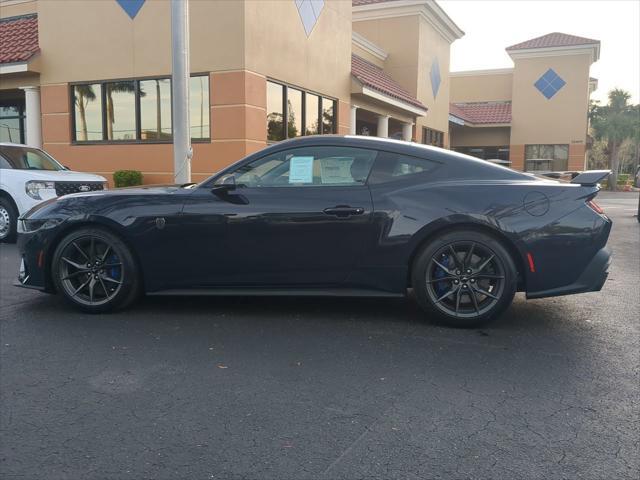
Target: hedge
127, 178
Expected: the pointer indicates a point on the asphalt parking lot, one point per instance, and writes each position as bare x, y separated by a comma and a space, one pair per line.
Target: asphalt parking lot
231, 388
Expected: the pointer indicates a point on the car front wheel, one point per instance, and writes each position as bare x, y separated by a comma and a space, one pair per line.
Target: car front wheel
95, 271
464, 278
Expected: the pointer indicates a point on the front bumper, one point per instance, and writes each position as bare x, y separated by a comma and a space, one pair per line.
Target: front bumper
33, 262
590, 280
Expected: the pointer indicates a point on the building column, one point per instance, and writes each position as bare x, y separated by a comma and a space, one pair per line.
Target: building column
33, 116
407, 132
352, 125
383, 126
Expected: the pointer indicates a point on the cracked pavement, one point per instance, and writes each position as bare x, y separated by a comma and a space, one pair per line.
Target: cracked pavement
291, 388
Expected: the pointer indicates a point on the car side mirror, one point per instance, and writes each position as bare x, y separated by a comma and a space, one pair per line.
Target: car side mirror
224, 184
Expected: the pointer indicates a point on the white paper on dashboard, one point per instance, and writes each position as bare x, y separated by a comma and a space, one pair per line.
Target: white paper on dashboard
301, 170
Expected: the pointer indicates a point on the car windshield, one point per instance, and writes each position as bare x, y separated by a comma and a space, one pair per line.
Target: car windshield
25, 158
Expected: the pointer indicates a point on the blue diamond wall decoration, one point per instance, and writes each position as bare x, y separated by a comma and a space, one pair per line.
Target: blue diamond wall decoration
132, 7
549, 84
309, 11
435, 77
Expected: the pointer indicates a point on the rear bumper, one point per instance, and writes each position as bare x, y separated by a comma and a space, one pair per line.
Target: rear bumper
590, 280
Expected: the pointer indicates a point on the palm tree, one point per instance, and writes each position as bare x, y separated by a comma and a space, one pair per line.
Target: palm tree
83, 95
614, 123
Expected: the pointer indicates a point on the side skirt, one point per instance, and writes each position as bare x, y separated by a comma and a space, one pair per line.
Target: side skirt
279, 292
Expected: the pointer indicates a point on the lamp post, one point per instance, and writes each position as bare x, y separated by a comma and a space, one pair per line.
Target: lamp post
182, 151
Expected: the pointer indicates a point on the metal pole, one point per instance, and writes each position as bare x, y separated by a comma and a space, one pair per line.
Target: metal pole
182, 152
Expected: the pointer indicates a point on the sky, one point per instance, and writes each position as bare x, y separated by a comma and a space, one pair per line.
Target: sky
491, 26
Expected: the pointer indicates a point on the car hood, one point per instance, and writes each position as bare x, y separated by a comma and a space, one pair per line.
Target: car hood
63, 176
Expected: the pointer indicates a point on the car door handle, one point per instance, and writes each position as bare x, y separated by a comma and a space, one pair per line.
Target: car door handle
343, 211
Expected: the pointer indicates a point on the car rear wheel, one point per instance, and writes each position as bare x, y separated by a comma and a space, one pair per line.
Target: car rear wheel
8, 221
464, 278
95, 271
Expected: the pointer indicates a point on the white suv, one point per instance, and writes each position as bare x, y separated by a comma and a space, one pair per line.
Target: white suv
28, 176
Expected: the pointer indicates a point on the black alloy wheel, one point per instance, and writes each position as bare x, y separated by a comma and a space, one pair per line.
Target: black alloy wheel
95, 271
465, 278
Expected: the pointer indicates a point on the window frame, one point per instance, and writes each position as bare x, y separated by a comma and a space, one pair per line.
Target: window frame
285, 111
138, 121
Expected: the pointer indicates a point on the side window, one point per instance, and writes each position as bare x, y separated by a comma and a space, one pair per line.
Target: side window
391, 166
4, 163
308, 167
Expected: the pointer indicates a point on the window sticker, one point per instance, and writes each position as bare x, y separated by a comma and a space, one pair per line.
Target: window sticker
301, 170
336, 170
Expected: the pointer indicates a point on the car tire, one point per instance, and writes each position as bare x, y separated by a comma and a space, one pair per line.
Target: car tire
459, 290
8, 221
95, 271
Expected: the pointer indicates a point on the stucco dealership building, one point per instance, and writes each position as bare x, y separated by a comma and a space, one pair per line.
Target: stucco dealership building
90, 82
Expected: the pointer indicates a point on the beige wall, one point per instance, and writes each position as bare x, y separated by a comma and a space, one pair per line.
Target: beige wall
433, 46
277, 46
412, 44
481, 87
561, 119
479, 136
13, 8
102, 42
239, 43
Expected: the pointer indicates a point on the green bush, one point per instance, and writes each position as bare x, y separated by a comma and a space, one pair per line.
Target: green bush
623, 178
127, 178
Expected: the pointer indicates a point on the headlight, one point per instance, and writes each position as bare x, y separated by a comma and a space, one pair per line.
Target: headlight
33, 188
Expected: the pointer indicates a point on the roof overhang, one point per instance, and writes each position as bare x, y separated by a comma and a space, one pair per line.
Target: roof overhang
474, 73
591, 49
466, 123
358, 88
426, 9
368, 46
30, 66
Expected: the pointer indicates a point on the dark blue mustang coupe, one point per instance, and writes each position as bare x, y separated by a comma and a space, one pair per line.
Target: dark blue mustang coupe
346, 216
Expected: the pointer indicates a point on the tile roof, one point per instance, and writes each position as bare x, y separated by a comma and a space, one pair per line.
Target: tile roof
18, 38
374, 77
482, 112
555, 39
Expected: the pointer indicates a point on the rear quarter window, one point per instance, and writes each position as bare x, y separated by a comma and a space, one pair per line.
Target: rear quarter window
390, 167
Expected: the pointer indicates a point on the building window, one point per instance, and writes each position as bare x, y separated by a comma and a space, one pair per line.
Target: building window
432, 137
88, 112
486, 153
136, 110
12, 121
120, 101
155, 109
546, 158
199, 107
306, 113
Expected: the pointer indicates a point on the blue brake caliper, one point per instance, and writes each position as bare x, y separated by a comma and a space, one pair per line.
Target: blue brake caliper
441, 287
114, 272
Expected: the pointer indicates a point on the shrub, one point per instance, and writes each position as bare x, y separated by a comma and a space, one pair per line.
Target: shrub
127, 178
623, 178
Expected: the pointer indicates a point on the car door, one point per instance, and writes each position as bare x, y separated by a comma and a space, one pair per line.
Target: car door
298, 217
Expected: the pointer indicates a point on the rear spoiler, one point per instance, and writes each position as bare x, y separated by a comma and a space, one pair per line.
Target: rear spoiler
591, 177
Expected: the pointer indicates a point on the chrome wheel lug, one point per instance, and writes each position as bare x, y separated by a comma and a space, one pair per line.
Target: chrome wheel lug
473, 280
456, 281
464, 286
458, 272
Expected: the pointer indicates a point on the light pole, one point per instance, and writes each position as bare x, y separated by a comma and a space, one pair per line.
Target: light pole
182, 152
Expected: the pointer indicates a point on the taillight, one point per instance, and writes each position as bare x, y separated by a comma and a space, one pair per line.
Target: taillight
595, 207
